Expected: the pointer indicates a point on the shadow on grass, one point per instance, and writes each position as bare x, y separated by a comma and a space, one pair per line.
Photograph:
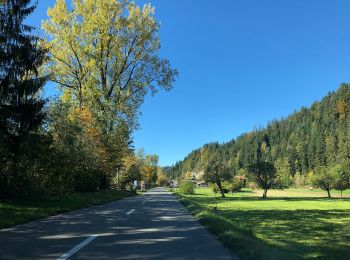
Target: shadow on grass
207, 199
277, 234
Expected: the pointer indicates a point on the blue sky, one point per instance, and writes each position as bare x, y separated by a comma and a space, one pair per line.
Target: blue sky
241, 63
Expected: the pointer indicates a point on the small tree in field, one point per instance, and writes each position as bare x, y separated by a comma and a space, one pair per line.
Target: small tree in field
325, 179
216, 173
343, 178
264, 174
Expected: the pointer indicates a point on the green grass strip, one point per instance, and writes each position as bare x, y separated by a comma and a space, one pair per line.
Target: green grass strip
14, 212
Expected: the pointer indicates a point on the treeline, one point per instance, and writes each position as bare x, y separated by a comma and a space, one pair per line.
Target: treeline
311, 138
103, 56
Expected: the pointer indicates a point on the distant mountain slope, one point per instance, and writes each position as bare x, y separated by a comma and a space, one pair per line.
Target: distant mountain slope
311, 137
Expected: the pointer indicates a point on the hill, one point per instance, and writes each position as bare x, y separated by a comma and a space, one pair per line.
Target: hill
309, 138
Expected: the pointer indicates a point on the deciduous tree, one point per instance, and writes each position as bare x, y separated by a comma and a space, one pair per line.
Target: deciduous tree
325, 178
343, 177
104, 54
264, 174
216, 172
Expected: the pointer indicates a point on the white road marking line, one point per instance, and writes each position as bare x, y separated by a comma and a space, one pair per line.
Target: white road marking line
129, 212
77, 248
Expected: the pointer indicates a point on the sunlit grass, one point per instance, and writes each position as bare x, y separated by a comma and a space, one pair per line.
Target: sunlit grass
14, 212
290, 224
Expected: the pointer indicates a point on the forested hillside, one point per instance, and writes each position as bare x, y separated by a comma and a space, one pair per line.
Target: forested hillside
312, 137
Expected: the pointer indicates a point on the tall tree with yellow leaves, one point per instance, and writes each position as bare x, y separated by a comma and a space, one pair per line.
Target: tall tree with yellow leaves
104, 54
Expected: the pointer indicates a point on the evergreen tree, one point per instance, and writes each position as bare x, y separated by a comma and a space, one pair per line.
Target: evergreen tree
21, 107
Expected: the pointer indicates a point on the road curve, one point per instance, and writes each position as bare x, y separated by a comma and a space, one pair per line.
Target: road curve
152, 226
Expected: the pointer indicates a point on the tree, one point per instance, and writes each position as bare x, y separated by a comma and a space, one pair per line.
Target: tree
188, 175
325, 178
264, 174
216, 172
104, 54
299, 144
162, 180
283, 173
343, 177
150, 169
130, 171
92, 159
21, 106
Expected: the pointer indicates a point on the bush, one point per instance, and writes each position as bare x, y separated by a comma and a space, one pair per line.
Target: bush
214, 187
87, 181
226, 185
236, 185
162, 180
186, 187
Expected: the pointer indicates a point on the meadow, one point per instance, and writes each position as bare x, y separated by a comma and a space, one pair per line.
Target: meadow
289, 224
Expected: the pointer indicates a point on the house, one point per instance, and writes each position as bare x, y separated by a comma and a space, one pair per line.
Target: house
201, 184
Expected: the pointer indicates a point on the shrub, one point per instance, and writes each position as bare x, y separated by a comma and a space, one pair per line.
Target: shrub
236, 185
87, 181
214, 187
162, 180
186, 187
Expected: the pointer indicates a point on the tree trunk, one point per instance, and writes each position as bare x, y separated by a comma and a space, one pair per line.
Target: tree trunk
80, 99
221, 190
265, 194
341, 194
329, 194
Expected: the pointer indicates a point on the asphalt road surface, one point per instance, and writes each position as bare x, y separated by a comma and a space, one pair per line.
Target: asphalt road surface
152, 226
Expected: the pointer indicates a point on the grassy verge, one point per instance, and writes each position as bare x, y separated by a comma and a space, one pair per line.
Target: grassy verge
13, 212
291, 224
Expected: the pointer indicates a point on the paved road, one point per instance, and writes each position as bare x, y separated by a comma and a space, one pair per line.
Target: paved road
152, 226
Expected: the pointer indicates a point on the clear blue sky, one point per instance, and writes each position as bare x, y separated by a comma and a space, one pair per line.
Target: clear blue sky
241, 63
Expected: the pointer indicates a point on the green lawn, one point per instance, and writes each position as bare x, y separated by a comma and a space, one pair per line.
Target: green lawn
290, 224
13, 212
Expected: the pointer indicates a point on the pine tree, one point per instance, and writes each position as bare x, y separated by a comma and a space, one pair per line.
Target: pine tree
21, 107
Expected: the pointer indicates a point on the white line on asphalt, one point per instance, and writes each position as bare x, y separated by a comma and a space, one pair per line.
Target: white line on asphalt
129, 212
77, 248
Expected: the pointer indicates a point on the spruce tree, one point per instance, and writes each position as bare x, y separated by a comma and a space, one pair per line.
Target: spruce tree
21, 105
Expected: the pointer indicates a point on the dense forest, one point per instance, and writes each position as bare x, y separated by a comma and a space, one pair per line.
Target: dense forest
299, 144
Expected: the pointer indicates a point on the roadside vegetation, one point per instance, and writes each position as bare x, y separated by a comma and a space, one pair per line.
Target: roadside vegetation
289, 224
13, 212
80, 141
186, 187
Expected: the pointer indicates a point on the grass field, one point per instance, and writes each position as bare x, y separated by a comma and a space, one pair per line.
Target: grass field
13, 212
290, 224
